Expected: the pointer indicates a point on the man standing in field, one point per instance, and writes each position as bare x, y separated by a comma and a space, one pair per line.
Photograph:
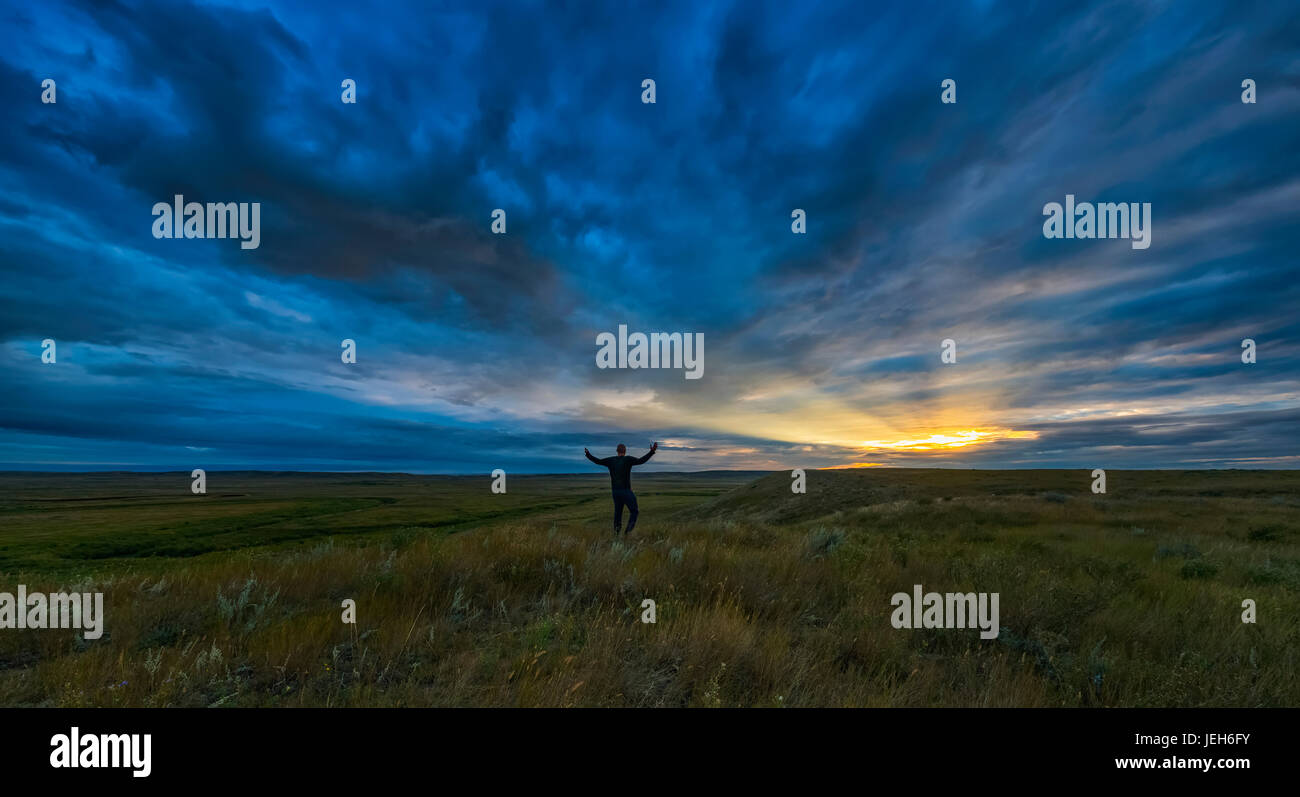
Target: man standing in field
620, 479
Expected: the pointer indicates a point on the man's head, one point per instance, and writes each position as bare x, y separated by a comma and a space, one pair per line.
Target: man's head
622, 449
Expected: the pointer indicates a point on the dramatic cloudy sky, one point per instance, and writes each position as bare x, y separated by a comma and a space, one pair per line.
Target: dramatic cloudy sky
477, 351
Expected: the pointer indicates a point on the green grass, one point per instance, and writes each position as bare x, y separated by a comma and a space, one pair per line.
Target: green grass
56, 524
765, 598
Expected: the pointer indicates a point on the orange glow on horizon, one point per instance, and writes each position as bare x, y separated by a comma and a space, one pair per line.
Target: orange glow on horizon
949, 440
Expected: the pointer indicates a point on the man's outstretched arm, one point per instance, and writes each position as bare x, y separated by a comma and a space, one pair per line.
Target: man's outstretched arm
643, 460
593, 459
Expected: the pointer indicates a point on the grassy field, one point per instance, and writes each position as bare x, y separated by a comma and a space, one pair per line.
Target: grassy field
764, 597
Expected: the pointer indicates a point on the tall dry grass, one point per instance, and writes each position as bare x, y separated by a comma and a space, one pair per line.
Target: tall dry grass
1105, 604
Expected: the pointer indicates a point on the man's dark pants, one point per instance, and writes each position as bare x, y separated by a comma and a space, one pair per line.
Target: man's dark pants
624, 498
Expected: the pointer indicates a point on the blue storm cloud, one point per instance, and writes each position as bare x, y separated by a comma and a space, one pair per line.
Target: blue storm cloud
924, 223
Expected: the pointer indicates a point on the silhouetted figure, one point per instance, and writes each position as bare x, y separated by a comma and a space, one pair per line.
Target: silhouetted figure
620, 479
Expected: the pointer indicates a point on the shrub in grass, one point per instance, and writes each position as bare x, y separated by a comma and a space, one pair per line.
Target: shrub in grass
1265, 534
822, 541
1184, 550
1198, 568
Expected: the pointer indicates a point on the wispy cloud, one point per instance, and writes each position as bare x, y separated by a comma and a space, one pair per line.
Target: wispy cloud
275, 308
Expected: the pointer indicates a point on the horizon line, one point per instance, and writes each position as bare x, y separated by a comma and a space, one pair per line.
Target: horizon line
476, 474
